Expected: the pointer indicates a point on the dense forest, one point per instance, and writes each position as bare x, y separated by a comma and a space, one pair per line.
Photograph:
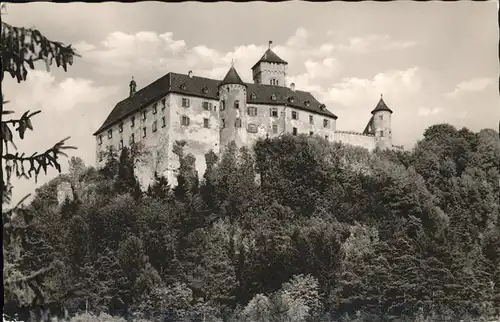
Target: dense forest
327, 232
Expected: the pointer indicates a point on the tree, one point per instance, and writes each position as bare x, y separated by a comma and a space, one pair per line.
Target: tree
20, 49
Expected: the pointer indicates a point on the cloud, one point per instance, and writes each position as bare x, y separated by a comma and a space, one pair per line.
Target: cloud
354, 91
473, 85
427, 111
70, 107
299, 39
46, 94
374, 43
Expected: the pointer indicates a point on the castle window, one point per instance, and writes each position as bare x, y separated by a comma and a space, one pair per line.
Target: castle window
222, 123
275, 128
120, 128
294, 131
291, 99
144, 115
381, 133
120, 145
99, 139
222, 105
381, 117
252, 128
185, 120
311, 133
252, 111
206, 124
326, 123
274, 112
144, 132
155, 108
295, 115
110, 134
236, 104
311, 119
163, 122
326, 137
163, 103
185, 102
307, 103
206, 106
237, 122
132, 121
155, 127
132, 139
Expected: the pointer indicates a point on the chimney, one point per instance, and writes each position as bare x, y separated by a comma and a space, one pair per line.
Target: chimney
133, 87
190, 74
292, 86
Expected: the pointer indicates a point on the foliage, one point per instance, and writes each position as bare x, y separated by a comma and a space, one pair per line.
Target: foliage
20, 48
332, 233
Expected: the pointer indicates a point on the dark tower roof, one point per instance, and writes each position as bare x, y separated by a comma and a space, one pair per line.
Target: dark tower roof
232, 77
381, 106
270, 57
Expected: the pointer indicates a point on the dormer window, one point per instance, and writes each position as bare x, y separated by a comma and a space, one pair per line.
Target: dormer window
205, 90
253, 96
273, 97
307, 103
322, 107
291, 99
183, 87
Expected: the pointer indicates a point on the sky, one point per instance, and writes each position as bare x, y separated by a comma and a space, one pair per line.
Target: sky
434, 62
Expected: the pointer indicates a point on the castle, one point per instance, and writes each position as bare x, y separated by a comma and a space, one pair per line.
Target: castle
208, 114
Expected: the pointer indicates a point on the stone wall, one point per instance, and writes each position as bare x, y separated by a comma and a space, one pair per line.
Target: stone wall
355, 139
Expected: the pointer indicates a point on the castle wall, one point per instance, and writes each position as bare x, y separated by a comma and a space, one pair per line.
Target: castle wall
304, 126
355, 139
382, 128
264, 72
230, 131
199, 140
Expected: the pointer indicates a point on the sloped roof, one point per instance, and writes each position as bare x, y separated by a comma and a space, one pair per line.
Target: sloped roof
381, 106
208, 88
232, 77
270, 57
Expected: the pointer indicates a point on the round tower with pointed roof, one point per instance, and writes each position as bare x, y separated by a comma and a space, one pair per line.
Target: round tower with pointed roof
270, 69
381, 125
233, 105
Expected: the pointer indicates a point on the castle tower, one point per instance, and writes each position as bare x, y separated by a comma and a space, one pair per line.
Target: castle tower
233, 105
381, 125
270, 69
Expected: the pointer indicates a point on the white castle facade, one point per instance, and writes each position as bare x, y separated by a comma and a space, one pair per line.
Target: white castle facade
208, 114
